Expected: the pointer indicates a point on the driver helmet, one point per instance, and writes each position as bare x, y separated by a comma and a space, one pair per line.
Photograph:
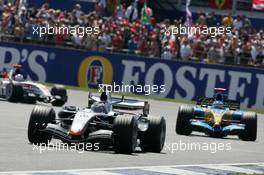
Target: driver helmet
103, 97
98, 107
19, 77
16, 70
218, 104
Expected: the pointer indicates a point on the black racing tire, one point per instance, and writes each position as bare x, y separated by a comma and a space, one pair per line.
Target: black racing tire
61, 92
185, 113
153, 139
14, 92
39, 118
125, 134
250, 121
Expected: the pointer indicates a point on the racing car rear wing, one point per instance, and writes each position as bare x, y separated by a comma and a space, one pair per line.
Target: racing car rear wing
207, 101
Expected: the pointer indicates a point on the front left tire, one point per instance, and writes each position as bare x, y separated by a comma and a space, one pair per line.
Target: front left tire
14, 92
40, 117
185, 113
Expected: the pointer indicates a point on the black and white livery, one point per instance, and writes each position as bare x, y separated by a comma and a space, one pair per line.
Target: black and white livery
14, 88
100, 122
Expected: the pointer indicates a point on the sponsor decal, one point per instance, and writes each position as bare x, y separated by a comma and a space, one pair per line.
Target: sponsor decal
182, 80
32, 61
187, 80
95, 70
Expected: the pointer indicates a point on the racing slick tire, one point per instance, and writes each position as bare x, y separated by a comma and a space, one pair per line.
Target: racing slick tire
60, 95
125, 134
39, 118
250, 131
184, 115
14, 92
153, 139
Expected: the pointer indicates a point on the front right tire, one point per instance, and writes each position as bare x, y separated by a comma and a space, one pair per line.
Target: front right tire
125, 134
153, 139
250, 131
39, 118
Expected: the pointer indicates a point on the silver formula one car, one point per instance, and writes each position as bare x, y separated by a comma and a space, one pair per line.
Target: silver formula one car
100, 123
14, 88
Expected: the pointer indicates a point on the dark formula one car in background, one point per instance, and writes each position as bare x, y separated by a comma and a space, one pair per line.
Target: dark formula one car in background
217, 117
100, 123
14, 88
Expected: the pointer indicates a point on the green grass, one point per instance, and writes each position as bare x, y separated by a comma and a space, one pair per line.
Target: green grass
151, 97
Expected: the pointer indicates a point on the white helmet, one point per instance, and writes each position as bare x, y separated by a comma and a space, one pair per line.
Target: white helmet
19, 77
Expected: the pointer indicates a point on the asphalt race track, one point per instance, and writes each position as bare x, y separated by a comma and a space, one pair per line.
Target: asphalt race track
16, 154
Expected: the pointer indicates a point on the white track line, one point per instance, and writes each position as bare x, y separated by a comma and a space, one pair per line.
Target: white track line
124, 168
232, 168
96, 173
172, 171
261, 164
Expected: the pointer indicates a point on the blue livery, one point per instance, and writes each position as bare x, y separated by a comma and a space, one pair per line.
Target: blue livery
217, 117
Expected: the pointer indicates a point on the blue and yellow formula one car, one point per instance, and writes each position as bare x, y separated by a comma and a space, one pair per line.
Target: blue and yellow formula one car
217, 117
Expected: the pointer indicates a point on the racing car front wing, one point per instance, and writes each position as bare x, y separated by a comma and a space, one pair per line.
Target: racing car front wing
62, 134
201, 126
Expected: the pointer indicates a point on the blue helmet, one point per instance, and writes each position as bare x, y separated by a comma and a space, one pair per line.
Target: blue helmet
218, 104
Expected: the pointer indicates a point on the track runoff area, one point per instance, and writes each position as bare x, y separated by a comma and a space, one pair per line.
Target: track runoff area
179, 156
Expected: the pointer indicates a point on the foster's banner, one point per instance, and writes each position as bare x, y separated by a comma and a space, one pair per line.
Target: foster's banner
181, 80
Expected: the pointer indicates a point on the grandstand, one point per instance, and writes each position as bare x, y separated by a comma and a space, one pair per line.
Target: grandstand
129, 34
238, 5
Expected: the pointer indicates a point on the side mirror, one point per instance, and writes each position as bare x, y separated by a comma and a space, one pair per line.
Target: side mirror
146, 108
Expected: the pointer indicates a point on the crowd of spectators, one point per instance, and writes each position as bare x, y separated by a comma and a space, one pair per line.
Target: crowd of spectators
133, 29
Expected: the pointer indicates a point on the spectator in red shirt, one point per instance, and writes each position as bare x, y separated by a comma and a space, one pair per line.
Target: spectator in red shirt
199, 50
117, 41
